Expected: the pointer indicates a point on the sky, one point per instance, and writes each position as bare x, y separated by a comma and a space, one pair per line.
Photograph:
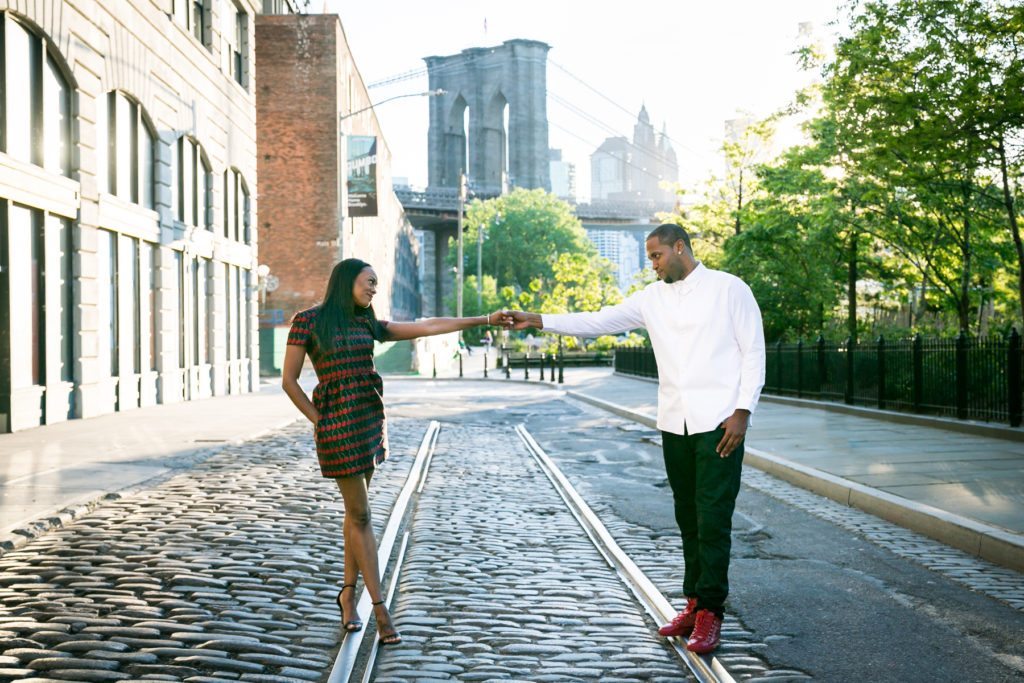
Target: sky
692, 63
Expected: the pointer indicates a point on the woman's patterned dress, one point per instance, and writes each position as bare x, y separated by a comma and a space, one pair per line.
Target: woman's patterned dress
351, 436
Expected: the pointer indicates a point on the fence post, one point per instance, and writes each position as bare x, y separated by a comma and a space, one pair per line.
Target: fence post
561, 362
881, 372
848, 391
485, 363
917, 355
542, 358
778, 367
821, 363
552, 359
460, 364
800, 368
508, 362
434, 357
1013, 379
526, 366
961, 376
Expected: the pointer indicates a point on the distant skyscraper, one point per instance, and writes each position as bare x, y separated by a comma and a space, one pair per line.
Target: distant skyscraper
621, 169
563, 177
622, 249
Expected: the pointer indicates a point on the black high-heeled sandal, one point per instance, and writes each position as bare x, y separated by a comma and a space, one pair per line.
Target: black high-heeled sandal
392, 638
352, 625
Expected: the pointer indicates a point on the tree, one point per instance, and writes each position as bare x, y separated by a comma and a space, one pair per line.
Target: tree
524, 232
910, 98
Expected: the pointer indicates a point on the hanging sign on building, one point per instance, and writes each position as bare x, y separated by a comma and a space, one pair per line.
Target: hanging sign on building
362, 175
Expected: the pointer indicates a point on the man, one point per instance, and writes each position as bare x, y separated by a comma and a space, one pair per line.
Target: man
708, 340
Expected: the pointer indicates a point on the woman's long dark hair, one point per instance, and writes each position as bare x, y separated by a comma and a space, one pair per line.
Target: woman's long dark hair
339, 308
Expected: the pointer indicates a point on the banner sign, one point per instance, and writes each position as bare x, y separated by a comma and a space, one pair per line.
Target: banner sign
362, 175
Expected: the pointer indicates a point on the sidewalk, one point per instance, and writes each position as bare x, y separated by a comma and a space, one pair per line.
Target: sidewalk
964, 490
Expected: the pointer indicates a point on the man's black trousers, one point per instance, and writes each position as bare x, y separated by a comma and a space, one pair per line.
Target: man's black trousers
704, 486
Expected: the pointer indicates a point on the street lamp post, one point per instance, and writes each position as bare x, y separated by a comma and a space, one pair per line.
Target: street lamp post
459, 257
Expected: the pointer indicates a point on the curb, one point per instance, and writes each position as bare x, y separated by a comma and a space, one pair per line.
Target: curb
985, 541
20, 535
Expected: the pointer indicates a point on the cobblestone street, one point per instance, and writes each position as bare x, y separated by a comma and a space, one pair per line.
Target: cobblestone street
501, 582
225, 573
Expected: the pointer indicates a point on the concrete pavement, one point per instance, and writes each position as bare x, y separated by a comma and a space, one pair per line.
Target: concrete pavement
964, 490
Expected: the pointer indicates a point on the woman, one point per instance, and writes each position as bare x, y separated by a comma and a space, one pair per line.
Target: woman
348, 412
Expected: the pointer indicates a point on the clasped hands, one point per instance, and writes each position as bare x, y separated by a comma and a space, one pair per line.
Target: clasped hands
514, 320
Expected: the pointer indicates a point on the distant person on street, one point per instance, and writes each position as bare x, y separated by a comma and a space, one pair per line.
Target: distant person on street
706, 330
347, 411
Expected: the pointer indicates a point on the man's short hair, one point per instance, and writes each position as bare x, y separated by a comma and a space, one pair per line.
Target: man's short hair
670, 233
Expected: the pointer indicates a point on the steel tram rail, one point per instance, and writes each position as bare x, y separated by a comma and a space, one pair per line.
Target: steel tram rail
345, 661
706, 669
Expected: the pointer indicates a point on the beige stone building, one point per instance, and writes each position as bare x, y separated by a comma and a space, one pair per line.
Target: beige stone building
127, 205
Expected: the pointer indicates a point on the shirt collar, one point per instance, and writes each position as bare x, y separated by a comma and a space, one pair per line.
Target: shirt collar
690, 282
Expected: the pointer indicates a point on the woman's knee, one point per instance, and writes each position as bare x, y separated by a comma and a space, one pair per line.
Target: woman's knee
360, 516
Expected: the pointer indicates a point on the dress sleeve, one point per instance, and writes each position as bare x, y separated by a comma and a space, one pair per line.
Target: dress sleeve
302, 329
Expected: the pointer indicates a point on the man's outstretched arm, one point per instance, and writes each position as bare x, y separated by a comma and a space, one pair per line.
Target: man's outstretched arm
622, 317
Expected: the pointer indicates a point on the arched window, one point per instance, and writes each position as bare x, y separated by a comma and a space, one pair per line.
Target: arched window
194, 184
35, 119
236, 207
124, 149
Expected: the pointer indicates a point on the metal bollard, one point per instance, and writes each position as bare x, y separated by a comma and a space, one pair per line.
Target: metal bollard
552, 367
460, 365
434, 356
485, 364
542, 367
526, 366
508, 365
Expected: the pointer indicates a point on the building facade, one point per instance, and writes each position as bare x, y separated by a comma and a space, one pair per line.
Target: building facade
311, 105
641, 169
623, 249
127, 215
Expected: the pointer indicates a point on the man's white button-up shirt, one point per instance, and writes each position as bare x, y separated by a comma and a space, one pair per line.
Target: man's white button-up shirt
708, 340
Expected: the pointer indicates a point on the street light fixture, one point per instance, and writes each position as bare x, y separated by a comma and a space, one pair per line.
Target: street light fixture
428, 93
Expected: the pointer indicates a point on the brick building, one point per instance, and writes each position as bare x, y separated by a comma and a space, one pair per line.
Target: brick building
309, 84
127, 205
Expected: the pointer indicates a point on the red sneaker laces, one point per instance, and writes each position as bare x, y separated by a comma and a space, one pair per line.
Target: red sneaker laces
705, 624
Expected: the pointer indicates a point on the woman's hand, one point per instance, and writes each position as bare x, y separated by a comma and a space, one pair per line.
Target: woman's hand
500, 318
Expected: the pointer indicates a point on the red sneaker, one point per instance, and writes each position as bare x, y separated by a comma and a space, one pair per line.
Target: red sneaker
682, 625
705, 634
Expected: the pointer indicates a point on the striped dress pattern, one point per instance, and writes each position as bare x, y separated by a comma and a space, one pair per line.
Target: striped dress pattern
351, 435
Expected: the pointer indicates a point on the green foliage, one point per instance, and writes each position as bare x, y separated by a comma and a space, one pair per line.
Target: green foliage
537, 255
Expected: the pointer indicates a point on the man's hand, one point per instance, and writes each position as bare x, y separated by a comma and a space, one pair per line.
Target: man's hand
522, 320
735, 429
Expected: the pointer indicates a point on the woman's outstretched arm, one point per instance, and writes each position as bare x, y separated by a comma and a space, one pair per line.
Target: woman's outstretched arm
432, 326
294, 357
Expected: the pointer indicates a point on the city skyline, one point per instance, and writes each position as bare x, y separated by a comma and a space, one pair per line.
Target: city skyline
595, 92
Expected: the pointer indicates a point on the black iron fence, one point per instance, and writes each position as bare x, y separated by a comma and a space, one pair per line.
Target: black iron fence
965, 378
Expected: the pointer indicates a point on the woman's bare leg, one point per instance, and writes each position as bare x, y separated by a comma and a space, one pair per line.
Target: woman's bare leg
348, 600
359, 537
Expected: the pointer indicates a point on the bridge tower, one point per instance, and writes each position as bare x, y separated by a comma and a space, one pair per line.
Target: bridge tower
504, 91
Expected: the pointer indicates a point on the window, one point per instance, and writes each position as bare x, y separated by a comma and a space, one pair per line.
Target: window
33, 220
195, 184
235, 36
134, 282
236, 207
67, 301
227, 312
193, 16
200, 340
154, 252
107, 276
124, 149
199, 21
35, 116
179, 269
